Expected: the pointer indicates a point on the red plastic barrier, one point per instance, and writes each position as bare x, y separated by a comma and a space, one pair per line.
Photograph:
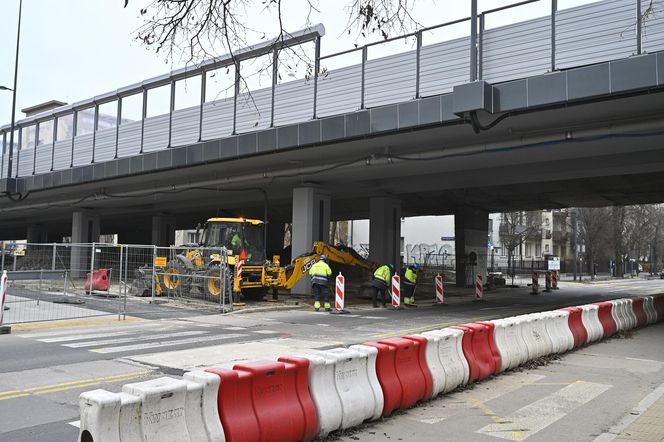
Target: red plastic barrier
409, 371
468, 352
428, 380
639, 311
481, 350
659, 307
575, 323
604, 313
387, 377
265, 401
492, 345
234, 402
298, 368
100, 281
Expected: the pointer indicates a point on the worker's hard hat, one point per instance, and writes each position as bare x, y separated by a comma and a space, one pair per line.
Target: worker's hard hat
391, 266
323, 258
416, 266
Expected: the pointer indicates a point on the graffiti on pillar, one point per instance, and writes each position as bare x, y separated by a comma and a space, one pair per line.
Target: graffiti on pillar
430, 254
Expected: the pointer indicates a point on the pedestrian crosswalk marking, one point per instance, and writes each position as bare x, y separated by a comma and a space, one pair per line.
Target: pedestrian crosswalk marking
82, 337
538, 415
170, 343
149, 337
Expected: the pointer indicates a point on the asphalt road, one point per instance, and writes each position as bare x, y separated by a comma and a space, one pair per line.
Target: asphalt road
42, 371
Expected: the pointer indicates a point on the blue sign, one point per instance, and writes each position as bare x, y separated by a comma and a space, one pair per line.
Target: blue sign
447, 238
489, 244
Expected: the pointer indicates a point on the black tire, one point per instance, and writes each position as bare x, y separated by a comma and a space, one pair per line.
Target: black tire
175, 279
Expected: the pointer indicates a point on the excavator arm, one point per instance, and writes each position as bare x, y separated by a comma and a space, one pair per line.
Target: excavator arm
300, 266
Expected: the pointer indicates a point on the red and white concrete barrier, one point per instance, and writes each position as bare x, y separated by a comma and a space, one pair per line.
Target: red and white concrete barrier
440, 294
535, 284
339, 293
396, 291
479, 287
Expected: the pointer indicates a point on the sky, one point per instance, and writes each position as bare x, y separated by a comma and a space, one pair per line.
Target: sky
76, 49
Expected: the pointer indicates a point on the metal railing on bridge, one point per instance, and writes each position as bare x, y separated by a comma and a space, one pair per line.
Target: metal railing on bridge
99, 129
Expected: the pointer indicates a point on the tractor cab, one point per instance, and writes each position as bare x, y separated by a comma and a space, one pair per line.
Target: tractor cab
241, 237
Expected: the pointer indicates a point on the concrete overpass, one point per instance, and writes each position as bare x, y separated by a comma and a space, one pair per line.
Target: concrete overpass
563, 110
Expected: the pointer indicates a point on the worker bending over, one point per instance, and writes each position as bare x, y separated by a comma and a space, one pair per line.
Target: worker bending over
380, 283
409, 284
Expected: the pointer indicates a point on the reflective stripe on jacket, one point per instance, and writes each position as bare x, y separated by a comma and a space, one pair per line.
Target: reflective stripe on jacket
320, 272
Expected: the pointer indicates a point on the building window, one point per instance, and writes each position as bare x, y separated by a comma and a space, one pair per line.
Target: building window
546, 248
538, 250
529, 250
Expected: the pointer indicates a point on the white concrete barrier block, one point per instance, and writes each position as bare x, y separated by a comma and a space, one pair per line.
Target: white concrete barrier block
353, 386
503, 344
434, 363
379, 399
649, 307
631, 315
533, 334
618, 314
100, 416
590, 319
163, 405
560, 322
323, 392
130, 418
450, 352
202, 411
514, 336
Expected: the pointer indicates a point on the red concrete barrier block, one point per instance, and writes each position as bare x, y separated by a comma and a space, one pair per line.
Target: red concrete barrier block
469, 352
409, 371
659, 307
298, 369
480, 350
497, 357
266, 401
428, 379
609, 326
235, 406
387, 377
100, 281
639, 311
575, 323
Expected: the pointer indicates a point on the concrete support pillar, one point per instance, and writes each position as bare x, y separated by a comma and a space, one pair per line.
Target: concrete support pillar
37, 234
163, 230
385, 231
471, 230
84, 230
311, 222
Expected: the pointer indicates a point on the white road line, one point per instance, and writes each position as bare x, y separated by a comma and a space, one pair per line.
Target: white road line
454, 403
60, 332
134, 338
264, 332
372, 317
532, 418
235, 328
323, 325
76, 424
171, 343
82, 337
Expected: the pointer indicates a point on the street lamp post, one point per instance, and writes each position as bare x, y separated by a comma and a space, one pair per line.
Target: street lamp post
13, 118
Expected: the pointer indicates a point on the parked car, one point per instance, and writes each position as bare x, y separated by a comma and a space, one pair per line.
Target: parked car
661, 274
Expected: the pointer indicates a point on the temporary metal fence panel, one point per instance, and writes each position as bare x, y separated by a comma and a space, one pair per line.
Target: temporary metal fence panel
25, 161
595, 32
518, 50
185, 126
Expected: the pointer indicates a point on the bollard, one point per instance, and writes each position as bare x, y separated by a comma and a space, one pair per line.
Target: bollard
554, 280
4, 329
547, 281
439, 290
479, 288
339, 290
535, 284
396, 291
